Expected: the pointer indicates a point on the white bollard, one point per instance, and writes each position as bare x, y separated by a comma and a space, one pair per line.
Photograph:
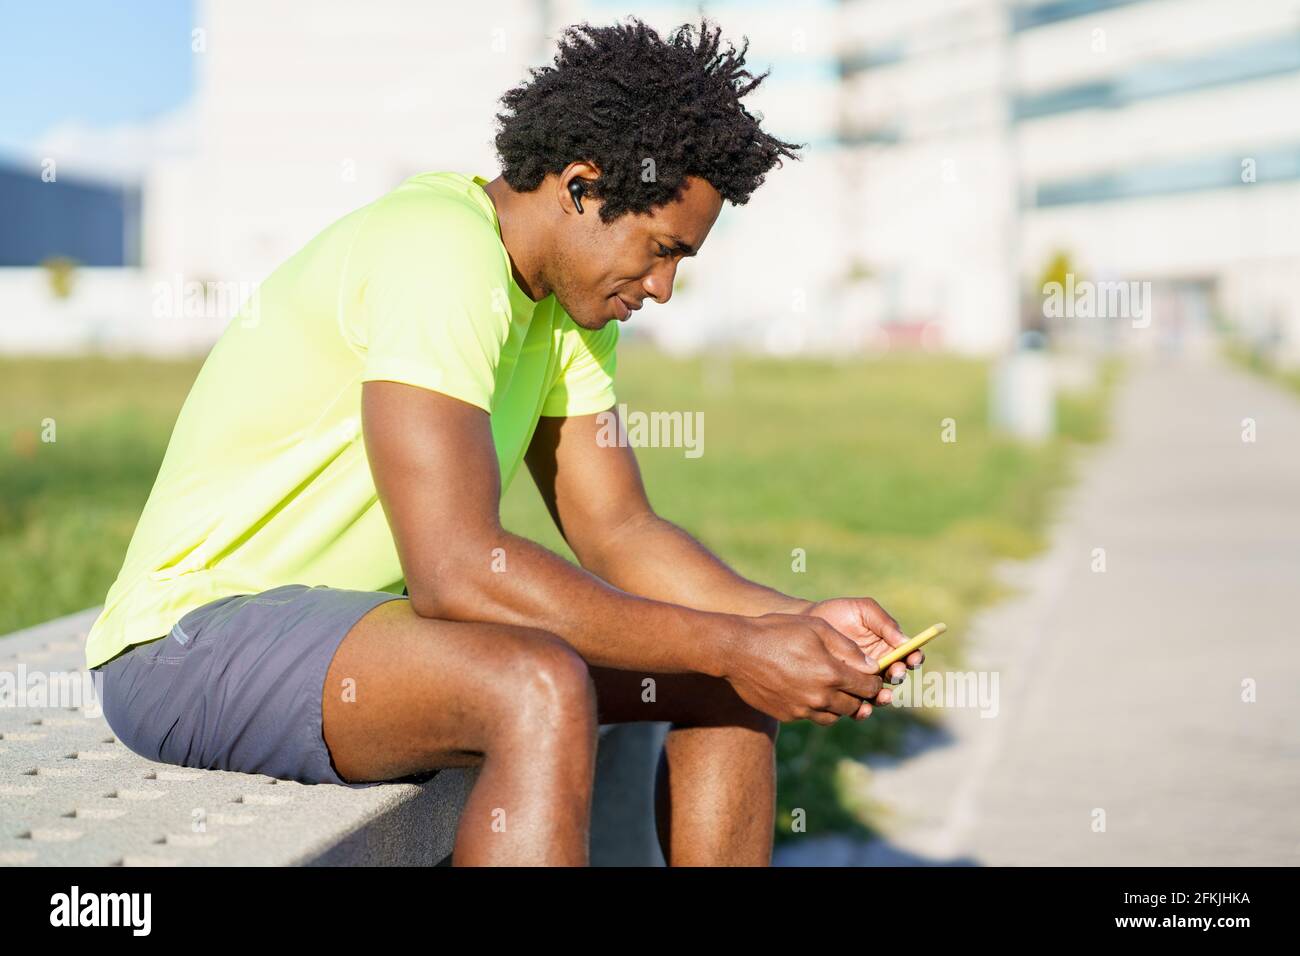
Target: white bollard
1023, 397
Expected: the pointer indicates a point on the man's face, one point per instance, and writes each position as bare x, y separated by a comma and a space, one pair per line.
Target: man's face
603, 272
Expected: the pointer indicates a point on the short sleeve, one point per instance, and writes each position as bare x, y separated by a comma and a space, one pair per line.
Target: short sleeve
435, 299
586, 381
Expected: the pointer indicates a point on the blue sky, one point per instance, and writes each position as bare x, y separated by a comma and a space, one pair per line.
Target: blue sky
99, 63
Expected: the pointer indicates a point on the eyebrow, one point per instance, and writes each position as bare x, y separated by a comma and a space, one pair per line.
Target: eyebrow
685, 248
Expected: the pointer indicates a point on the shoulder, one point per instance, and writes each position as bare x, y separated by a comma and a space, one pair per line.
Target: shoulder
431, 215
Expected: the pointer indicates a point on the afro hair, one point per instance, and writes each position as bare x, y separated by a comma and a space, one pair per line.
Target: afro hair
645, 111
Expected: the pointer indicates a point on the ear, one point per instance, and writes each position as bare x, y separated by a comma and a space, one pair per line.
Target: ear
576, 170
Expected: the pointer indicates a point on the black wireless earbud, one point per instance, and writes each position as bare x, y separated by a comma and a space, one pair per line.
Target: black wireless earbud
576, 187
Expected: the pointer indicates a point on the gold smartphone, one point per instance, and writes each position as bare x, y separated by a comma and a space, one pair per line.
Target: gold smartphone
900, 652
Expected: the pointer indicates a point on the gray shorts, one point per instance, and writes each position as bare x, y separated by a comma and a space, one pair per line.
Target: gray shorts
237, 684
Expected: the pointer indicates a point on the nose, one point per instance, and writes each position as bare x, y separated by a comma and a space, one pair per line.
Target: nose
658, 284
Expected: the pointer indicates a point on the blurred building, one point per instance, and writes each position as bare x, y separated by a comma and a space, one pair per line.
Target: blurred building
302, 113
304, 119
94, 223
1121, 141
957, 155
306, 113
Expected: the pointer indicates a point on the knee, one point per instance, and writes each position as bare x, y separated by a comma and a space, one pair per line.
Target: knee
551, 679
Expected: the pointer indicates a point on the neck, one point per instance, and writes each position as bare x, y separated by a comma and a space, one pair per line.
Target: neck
518, 234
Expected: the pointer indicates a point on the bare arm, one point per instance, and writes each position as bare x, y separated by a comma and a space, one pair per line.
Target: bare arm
436, 473
599, 503
595, 494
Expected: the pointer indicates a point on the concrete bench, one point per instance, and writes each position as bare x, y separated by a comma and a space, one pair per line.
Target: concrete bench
71, 794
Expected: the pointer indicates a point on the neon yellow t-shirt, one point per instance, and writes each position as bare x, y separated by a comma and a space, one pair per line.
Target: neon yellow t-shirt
265, 481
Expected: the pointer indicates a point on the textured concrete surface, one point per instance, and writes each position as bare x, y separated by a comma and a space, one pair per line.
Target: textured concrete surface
71, 794
1121, 692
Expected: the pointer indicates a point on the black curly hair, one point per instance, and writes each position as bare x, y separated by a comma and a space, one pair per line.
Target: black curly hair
618, 96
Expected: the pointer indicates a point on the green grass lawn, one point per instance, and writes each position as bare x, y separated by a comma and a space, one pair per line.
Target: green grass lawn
841, 459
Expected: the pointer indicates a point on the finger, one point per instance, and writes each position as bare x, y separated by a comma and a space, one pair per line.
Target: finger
857, 674
914, 659
896, 673
885, 697
848, 651
864, 711
854, 682
842, 705
882, 622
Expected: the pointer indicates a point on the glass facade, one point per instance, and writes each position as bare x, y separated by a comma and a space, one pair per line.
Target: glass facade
95, 224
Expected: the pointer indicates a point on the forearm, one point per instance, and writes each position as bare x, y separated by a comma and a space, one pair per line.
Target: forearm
653, 557
606, 625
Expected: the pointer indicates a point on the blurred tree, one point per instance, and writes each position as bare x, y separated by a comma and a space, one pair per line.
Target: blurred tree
858, 270
1058, 267
61, 272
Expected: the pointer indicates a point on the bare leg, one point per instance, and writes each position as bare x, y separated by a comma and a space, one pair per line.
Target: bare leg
405, 694
716, 787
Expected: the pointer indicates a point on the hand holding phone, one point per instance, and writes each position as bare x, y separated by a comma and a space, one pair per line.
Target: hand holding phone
900, 652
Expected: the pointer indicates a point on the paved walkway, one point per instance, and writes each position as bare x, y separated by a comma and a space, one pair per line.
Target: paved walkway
1121, 692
